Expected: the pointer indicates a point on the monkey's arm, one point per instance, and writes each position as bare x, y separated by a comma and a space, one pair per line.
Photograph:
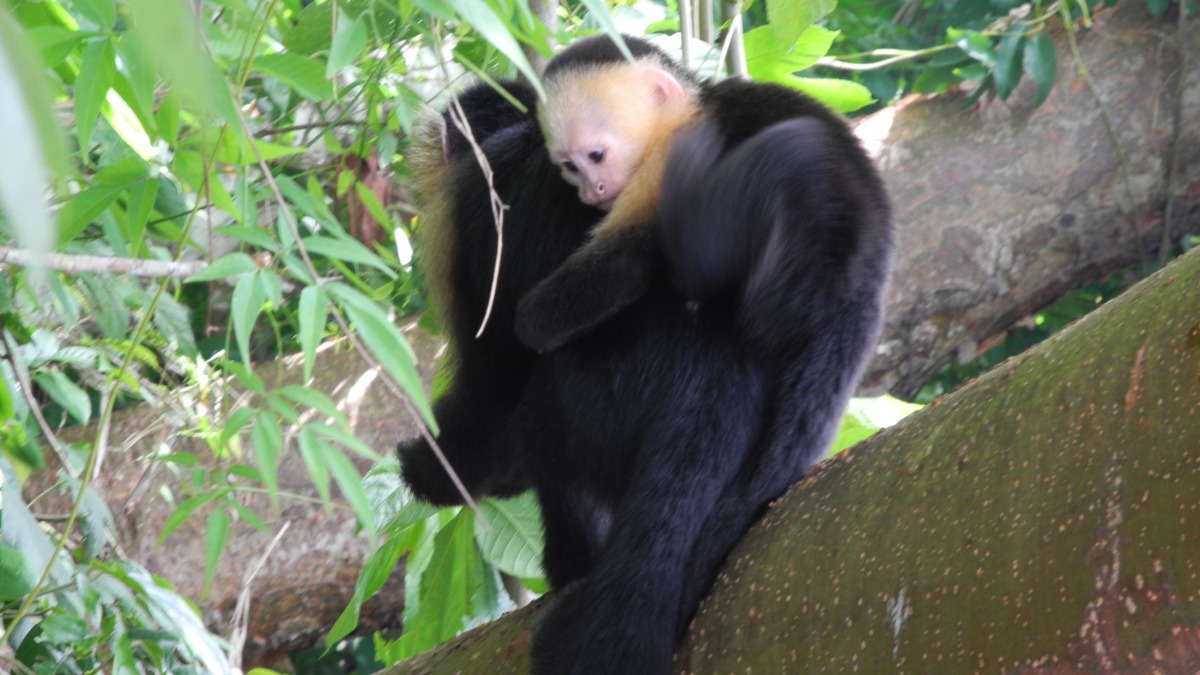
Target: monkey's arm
608, 274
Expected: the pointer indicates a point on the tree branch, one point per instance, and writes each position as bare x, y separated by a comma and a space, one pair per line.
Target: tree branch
76, 263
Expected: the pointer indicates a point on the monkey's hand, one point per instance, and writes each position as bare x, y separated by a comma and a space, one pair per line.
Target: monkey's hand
597, 281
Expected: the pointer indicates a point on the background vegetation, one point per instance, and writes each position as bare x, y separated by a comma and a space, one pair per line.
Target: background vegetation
193, 190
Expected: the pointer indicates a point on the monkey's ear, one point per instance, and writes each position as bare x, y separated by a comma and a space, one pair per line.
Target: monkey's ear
666, 88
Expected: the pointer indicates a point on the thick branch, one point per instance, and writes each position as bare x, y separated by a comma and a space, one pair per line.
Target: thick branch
1001, 208
1042, 517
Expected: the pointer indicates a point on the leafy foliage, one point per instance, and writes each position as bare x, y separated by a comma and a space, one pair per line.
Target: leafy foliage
232, 148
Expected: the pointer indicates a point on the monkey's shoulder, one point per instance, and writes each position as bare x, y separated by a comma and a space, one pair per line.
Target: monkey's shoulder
743, 108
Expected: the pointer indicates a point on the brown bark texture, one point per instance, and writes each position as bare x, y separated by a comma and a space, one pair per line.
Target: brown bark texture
1044, 518
1001, 207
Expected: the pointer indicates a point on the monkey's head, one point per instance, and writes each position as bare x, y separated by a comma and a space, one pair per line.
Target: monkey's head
602, 112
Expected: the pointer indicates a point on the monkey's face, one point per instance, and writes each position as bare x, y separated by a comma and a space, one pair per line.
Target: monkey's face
594, 159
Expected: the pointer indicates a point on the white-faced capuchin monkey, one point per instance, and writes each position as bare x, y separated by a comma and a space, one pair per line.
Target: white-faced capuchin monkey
696, 302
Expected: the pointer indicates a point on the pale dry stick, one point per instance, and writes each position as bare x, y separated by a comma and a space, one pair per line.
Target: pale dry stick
734, 35
35, 407
685, 32
77, 263
241, 610
498, 206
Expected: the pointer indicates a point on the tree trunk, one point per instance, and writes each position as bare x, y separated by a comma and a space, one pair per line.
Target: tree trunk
1044, 517
1001, 207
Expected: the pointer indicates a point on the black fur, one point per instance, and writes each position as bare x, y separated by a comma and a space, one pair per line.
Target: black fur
701, 363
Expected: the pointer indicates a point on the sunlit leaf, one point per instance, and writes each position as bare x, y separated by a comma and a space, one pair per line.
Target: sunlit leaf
789, 18
100, 12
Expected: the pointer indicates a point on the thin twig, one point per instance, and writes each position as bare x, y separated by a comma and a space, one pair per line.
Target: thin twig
498, 206
241, 610
733, 47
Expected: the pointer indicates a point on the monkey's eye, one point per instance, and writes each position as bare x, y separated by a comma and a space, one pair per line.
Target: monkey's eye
596, 156
570, 167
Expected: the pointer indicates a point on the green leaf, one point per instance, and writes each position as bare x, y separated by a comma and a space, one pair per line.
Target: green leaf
978, 46
246, 304
346, 250
1041, 63
315, 399
770, 60
305, 75
312, 451
185, 510
61, 629
789, 18
103, 13
493, 29
375, 572
16, 578
313, 312
168, 32
66, 393
372, 203
350, 482
54, 43
6, 402
189, 166
444, 583
512, 541
349, 441
1157, 7
19, 528
841, 95
1007, 70
83, 208
214, 543
349, 39
228, 265
139, 202
267, 439
387, 344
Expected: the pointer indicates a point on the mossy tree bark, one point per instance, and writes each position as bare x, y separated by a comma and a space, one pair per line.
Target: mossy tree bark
1044, 517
